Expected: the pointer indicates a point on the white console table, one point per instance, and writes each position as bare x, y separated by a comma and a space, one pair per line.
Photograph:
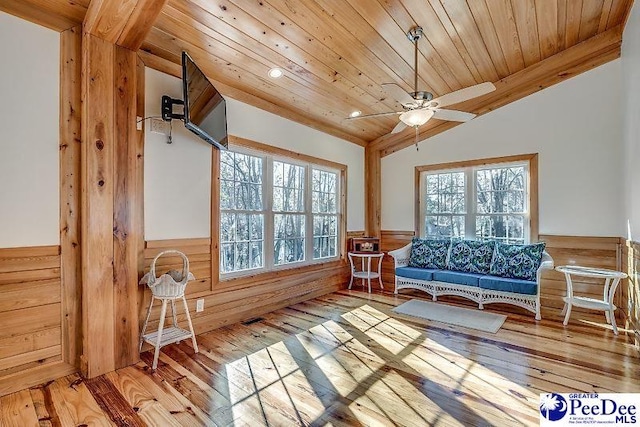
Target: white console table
365, 267
611, 280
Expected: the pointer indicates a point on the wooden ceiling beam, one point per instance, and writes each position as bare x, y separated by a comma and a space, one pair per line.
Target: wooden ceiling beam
122, 22
58, 17
575, 60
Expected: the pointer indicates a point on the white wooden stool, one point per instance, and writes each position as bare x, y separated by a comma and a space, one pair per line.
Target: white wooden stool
168, 288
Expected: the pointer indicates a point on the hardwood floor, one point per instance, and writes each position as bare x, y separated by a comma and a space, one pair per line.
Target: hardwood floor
344, 360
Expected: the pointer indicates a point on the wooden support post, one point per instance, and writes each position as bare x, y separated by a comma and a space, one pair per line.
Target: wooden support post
70, 147
98, 135
112, 227
140, 114
373, 195
112, 180
127, 232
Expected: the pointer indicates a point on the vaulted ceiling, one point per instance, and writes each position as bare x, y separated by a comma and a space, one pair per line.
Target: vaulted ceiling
336, 54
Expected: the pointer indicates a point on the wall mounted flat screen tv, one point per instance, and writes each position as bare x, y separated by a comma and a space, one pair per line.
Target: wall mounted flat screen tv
205, 110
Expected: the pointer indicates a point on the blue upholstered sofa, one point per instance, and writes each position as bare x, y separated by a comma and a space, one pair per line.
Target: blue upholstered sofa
483, 272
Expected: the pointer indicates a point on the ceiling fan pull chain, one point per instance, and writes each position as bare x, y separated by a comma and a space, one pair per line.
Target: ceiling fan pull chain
417, 149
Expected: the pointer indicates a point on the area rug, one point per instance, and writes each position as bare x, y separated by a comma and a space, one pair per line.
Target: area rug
473, 319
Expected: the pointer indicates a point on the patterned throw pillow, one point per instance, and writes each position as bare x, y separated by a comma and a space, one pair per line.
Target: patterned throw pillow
429, 253
471, 256
517, 261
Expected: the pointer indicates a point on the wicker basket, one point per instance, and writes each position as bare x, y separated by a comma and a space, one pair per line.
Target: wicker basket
170, 284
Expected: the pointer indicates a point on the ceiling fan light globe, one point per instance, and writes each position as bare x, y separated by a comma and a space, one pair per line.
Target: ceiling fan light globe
416, 117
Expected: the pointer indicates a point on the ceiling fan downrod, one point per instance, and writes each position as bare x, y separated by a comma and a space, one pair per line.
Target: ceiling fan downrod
414, 35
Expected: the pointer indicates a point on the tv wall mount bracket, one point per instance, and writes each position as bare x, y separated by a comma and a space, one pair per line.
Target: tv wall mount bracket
167, 108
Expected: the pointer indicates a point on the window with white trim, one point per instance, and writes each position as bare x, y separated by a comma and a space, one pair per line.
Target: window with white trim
276, 211
483, 202
242, 212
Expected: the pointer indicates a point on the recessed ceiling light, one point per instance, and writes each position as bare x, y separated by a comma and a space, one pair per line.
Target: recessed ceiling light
355, 114
275, 73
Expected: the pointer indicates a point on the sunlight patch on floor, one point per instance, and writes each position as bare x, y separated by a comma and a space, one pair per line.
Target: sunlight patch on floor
282, 359
272, 375
239, 374
470, 382
337, 374
337, 331
313, 346
353, 364
386, 331
248, 412
361, 319
304, 396
401, 401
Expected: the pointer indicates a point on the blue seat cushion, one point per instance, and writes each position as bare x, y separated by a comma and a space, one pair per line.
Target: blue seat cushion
505, 284
415, 273
459, 277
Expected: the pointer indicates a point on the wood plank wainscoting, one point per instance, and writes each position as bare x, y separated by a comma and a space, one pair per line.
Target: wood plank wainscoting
603, 252
31, 315
239, 299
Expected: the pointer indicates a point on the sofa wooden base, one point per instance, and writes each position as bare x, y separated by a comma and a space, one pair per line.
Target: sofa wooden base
478, 295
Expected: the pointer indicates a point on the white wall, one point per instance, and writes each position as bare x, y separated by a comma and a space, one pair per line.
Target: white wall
177, 176
575, 126
29, 117
180, 173
631, 106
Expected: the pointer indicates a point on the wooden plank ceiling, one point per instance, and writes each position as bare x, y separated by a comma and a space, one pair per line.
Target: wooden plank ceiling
336, 54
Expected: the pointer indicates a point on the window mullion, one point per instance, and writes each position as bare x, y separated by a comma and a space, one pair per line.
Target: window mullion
308, 210
527, 205
267, 179
471, 208
422, 200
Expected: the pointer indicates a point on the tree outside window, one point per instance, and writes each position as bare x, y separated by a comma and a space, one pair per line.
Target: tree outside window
275, 212
487, 202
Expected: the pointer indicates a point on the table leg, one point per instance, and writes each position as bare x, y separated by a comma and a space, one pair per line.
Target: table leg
606, 298
569, 299
352, 270
146, 322
380, 272
610, 289
369, 273
156, 354
566, 317
611, 316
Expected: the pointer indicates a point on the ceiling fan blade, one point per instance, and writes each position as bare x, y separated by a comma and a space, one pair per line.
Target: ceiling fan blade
399, 127
398, 93
453, 115
367, 116
464, 94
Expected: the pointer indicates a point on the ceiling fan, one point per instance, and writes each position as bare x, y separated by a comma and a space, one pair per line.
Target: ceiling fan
420, 106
